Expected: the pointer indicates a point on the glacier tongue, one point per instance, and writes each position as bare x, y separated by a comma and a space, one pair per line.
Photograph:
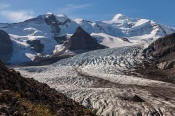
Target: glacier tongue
97, 80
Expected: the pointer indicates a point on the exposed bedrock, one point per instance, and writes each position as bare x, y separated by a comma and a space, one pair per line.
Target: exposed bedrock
159, 61
81, 40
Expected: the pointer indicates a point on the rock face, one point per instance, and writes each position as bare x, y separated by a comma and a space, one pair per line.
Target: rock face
61, 39
51, 20
162, 52
6, 47
160, 59
81, 40
21, 96
36, 45
161, 48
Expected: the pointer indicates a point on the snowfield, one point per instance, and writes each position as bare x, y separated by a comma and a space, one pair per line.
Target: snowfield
97, 80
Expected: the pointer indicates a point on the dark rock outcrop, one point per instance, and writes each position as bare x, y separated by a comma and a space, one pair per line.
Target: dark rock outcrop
6, 47
21, 96
81, 40
51, 20
162, 47
36, 45
60, 39
134, 98
126, 39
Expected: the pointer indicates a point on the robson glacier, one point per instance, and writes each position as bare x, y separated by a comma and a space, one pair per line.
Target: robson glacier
102, 76
99, 81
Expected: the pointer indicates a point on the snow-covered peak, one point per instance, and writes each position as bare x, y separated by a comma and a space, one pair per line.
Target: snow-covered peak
49, 13
59, 17
142, 22
119, 17
122, 21
78, 20
62, 17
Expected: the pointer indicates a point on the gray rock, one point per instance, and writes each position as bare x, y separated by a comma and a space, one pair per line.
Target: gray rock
36, 45
51, 20
162, 47
60, 39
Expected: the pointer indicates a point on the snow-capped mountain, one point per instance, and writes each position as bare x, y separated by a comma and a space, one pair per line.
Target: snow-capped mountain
45, 34
104, 80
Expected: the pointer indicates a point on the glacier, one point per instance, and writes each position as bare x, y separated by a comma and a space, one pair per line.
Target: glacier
97, 80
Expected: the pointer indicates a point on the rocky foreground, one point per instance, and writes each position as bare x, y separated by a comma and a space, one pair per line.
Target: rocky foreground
21, 96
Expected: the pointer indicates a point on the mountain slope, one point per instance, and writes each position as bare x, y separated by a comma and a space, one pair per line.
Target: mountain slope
136, 30
42, 35
159, 60
21, 96
78, 43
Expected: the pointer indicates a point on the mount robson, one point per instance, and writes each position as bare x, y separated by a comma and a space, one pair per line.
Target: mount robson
56, 66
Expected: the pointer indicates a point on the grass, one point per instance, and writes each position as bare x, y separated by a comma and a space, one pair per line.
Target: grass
34, 109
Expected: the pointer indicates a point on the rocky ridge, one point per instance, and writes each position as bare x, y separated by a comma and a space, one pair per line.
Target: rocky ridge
159, 60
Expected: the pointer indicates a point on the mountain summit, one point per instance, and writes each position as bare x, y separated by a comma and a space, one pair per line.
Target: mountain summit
119, 17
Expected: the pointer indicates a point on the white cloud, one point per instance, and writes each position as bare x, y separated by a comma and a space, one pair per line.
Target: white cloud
69, 8
4, 5
16, 16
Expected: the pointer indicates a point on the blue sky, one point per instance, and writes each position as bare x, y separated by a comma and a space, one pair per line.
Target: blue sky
161, 11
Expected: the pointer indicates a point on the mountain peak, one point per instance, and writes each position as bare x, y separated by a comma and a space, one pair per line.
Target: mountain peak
81, 40
80, 30
119, 17
79, 20
57, 16
49, 13
61, 15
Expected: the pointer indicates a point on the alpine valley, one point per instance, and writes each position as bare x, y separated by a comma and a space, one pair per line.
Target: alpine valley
121, 67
